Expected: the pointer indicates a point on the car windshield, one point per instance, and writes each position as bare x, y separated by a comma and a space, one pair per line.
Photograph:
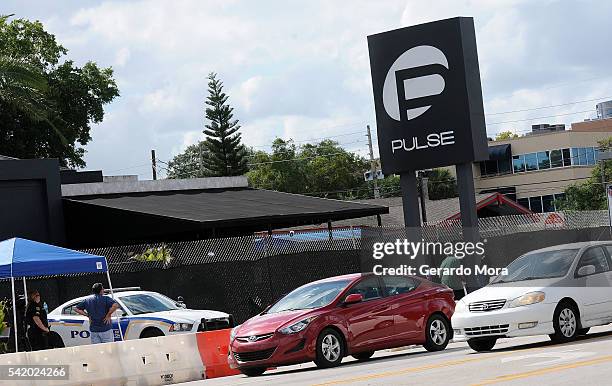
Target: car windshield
539, 265
145, 303
312, 295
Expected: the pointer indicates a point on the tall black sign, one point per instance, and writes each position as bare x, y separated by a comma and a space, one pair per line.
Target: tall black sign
427, 96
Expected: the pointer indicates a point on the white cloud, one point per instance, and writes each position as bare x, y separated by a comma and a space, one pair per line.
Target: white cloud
301, 69
122, 56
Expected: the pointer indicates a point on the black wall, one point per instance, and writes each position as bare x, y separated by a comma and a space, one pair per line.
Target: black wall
30, 201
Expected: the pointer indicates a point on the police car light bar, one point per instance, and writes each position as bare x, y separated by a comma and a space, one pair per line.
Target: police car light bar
123, 289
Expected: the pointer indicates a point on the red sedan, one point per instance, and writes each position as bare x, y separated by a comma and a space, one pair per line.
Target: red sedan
355, 314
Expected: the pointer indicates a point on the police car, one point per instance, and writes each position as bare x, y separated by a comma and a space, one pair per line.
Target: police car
142, 314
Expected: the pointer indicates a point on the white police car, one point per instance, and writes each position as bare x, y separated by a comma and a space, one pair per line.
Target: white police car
142, 314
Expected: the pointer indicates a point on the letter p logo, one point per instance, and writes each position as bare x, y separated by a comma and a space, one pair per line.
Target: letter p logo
413, 78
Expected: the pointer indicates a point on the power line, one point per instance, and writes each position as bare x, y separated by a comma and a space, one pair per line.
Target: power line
536, 118
549, 106
313, 139
299, 159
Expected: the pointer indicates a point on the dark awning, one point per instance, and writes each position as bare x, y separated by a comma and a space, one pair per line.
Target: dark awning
190, 213
500, 152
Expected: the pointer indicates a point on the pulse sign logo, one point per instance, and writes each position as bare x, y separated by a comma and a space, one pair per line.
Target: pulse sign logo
412, 80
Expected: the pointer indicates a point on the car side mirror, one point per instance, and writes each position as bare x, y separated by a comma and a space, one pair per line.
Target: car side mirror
353, 298
586, 270
119, 313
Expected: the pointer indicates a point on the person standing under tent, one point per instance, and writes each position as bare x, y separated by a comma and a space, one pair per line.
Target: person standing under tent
99, 309
38, 326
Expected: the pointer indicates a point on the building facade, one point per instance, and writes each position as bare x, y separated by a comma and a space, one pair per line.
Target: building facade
604, 110
535, 169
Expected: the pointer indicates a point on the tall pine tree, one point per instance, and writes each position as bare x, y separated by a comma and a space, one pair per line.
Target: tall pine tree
225, 154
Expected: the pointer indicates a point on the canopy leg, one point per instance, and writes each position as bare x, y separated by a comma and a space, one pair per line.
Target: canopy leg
110, 287
15, 316
25, 291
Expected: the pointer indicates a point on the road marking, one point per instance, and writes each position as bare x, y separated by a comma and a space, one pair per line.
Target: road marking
481, 356
506, 378
560, 356
401, 372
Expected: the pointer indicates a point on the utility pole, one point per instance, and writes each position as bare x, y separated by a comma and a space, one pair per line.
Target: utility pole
154, 164
373, 164
423, 194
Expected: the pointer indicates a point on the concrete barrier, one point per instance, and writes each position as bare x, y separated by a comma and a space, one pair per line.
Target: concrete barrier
155, 361
213, 347
161, 360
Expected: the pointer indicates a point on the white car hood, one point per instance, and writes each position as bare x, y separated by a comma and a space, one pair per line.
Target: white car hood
185, 315
498, 292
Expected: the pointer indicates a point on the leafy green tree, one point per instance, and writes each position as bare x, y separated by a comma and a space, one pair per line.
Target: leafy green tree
441, 184
279, 170
190, 163
47, 107
590, 194
505, 135
322, 169
226, 155
22, 88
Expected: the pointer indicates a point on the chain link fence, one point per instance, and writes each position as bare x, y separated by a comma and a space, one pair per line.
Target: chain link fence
241, 275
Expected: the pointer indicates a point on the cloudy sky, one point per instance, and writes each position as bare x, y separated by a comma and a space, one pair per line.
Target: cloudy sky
300, 69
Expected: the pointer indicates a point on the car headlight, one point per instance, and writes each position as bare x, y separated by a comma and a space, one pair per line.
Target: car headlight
460, 306
297, 327
233, 333
181, 327
527, 299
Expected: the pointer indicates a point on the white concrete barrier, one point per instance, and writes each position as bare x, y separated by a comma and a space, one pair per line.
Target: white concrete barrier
151, 362
161, 360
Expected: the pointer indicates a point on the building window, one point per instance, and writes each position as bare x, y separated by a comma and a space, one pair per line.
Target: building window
567, 157
579, 154
556, 159
503, 166
590, 156
548, 203
531, 161
518, 163
491, 167
523, 202
535, 204
543, 160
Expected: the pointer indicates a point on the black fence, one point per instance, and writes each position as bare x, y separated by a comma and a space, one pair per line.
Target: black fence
243, 275
240, 276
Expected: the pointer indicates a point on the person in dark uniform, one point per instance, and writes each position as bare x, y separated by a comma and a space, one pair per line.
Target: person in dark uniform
38, 327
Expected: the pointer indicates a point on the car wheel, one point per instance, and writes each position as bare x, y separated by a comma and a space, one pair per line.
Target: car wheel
150, 333
363, 356
330, 348
565, 322
482, 344
584, 331
253, 371
437, 333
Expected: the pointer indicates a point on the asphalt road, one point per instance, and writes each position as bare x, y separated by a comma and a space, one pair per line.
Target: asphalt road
518, 361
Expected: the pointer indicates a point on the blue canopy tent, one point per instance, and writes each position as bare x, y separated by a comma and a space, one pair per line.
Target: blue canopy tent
21, 258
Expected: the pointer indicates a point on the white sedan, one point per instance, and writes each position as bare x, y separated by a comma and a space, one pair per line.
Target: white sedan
142, 314
560, 291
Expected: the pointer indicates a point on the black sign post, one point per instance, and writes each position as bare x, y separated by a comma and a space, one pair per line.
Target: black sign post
429, 110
